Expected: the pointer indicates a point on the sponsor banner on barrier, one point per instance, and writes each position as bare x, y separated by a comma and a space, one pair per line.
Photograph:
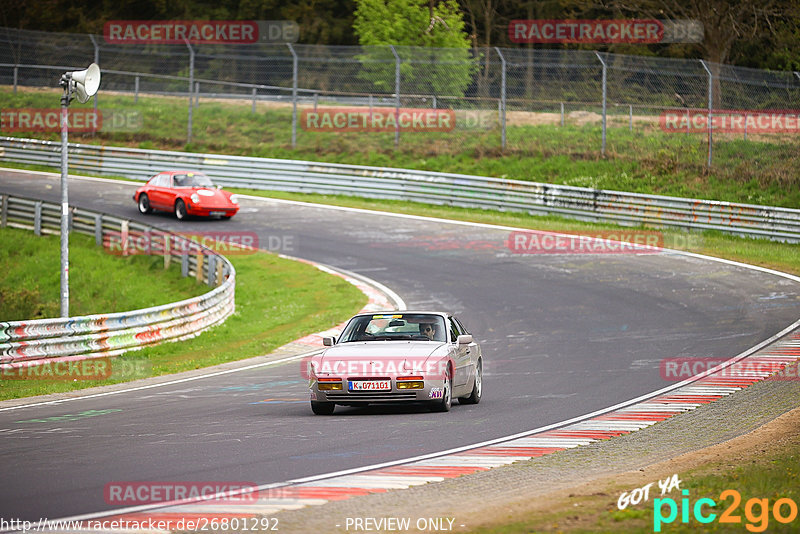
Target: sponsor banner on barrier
631, 31
200, 31
206, 243
130, 493
601, 242
677, 369
730, 121
78, 120
361, 119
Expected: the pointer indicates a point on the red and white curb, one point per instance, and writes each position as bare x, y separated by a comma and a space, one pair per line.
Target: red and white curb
702, 389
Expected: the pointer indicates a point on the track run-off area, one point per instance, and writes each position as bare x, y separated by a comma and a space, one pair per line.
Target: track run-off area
563, 335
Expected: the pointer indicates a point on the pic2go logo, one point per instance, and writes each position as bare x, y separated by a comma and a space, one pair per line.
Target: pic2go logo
756, 511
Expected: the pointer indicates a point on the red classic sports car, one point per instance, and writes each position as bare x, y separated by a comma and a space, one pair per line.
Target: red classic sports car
185, 193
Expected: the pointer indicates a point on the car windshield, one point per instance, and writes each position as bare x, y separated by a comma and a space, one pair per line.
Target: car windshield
192, 179
395, 326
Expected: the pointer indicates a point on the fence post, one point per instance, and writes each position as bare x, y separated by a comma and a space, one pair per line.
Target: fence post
196, 94
97, 61
316, 101
16, 73
603, 145
710, 106
212, 269
294, 95
184, 263
37, 218
502, 99
167, 250
191, 85
136, 90
630, 118
433, 97
397, 97
562, 114
745, 126
254, 99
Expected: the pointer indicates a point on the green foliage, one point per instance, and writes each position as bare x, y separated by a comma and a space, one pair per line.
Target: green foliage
415, 28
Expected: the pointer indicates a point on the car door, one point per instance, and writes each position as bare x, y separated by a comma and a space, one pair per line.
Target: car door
461, 355
158, 191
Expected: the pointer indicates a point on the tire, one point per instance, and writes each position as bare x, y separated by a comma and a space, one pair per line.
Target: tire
180, 210
477, 389
443, 405
322, 408
144, 204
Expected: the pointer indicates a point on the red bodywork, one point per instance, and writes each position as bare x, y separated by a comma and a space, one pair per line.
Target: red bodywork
166, 190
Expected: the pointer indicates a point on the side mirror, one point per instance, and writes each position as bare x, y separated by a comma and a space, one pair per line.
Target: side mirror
328, 341
465, 339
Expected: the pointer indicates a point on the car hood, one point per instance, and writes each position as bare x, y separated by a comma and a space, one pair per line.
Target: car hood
211, 196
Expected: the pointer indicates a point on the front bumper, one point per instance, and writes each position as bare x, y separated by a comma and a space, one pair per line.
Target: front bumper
432, 390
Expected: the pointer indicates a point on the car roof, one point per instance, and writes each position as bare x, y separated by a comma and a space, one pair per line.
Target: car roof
404, 312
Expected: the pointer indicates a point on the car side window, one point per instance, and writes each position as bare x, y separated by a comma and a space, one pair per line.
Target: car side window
453, 330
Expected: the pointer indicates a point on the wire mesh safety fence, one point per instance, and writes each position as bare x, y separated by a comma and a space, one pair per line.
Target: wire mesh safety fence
492, 96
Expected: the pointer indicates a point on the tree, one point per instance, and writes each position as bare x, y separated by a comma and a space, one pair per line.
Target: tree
427, 36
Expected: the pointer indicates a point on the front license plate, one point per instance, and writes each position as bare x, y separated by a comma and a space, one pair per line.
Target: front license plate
369, 385
215, 213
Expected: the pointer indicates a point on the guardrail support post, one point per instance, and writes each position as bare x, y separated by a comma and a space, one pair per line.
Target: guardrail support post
199, 267
4, 212
98, 229
212, 270
37, 218
220, 271
184, 265
502, 99
191, 85
605, 69
710, 107
294, 95
396, 97
167, 251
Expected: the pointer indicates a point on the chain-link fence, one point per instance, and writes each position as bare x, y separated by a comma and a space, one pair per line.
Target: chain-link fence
489, 98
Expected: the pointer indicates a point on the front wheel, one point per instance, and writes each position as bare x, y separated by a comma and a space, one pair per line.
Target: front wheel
446, 401
322, 408
144, 204
477, 389
180, 210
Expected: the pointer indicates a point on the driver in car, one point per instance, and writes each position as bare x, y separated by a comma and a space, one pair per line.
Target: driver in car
428, 330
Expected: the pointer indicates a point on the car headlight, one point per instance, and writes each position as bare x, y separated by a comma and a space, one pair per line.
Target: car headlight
234, 199
195, 198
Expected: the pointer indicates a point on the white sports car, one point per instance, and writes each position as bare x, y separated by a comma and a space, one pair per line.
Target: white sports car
397, 356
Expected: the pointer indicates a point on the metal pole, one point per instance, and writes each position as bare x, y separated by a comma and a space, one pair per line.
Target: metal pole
710, 106
502, 99
316, 101
603, 146
434, 101
136, 90
16, 72
96, 60
397, 97
65, 82
294, 95
562, 114
745, 126
254, 99
191, 85
196, 94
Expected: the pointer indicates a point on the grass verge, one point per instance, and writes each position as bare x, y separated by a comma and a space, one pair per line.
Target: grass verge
277, 301
760, 170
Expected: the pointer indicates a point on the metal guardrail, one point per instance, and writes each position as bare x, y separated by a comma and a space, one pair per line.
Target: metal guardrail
30, 343
421, 186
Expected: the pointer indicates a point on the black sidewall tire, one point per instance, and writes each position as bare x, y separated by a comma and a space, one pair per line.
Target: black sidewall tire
322, 408
180, 210
144, 204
